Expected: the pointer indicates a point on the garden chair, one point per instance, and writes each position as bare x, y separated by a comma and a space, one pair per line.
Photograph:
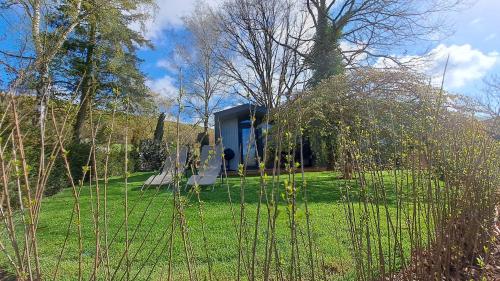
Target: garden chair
210, 166
167, 174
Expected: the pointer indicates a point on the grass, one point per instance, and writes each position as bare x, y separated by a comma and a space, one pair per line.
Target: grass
148, 249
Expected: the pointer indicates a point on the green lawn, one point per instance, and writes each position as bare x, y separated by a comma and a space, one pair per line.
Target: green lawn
148, 249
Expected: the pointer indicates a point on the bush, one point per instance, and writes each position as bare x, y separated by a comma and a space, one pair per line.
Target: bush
58, 179
78, 155
151, 155
116, 159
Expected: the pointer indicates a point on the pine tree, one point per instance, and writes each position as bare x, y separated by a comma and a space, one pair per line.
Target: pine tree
100, 57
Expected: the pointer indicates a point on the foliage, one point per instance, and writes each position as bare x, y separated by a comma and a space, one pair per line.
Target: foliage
395, 121
151, 155
159, 130
79, 159
363, 99
325, 58
99, 58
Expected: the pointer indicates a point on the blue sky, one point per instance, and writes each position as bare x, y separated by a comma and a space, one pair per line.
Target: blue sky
474, 46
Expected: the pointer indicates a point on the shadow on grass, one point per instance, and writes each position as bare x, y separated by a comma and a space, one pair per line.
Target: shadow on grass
134, 178
6, 276
322, 187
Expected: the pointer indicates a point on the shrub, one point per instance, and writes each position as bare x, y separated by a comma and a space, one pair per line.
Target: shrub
151, 155
116, 159
78, 156
58, 178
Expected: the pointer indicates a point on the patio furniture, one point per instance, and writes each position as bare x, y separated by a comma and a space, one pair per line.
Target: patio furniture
210, 166
167, 174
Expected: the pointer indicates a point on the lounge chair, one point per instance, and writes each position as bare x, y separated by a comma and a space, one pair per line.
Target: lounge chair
167, 174
210, 162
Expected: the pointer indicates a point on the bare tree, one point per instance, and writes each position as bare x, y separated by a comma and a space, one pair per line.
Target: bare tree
46, 41
492, 96
368, 30
256, 57
206, 81
489, 105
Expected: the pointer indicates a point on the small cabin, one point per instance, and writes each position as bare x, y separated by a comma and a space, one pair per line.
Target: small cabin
242, 142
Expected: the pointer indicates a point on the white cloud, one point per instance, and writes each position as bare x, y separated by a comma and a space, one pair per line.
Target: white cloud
491, 37
169, 14
465, 64
164, 86
164, 63
173, 61
168, 64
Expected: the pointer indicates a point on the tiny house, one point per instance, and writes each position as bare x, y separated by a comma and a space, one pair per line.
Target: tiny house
242, 142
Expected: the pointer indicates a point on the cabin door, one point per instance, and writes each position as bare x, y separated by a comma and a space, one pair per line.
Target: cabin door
247, 144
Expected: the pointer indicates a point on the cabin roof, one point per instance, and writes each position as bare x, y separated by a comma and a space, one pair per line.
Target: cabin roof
240, 111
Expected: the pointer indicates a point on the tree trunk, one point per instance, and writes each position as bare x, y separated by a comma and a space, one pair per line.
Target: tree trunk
203, 136
325, 58
205, 126
86, 92
205, 118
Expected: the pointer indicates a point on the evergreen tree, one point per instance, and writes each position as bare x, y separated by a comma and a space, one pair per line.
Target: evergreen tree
158, 136
100, 59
